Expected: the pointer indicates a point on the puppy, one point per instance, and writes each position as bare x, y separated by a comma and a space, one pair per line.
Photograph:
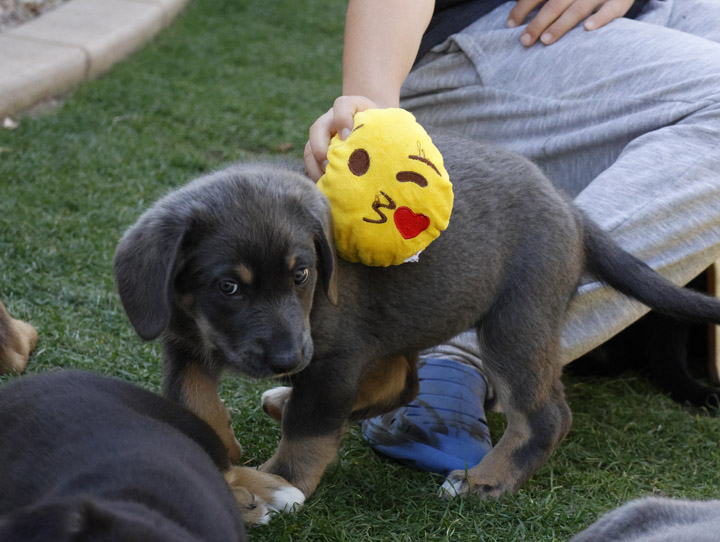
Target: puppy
17, 340
85, 457
225, 271
654, 519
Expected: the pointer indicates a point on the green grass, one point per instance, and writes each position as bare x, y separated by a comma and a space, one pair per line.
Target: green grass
233, 80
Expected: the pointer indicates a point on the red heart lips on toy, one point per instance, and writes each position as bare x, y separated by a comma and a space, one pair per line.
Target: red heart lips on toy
410, 224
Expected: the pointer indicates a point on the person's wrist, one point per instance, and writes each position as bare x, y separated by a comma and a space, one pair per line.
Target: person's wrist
384, 102
382, 98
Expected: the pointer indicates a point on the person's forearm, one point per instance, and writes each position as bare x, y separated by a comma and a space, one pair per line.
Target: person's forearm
382, 38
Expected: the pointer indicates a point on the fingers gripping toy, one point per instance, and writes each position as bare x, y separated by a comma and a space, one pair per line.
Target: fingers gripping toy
388, 189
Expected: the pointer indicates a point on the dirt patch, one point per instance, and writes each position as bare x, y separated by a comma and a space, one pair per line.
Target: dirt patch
17, 12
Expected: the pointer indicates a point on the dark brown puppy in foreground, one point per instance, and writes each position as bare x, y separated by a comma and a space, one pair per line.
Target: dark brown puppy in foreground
87, 457
90, 458
225, 270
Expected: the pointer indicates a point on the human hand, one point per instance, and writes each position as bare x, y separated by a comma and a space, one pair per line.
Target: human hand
337, 120
556, 17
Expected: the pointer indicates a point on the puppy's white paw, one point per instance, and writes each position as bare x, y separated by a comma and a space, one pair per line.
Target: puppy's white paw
454, 486
274, 400
286, 499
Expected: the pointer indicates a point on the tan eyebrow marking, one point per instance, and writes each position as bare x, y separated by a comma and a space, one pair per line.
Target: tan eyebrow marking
245, 274
291, 263
425, 161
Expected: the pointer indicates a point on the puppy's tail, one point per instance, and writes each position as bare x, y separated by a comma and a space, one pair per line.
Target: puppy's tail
634, 278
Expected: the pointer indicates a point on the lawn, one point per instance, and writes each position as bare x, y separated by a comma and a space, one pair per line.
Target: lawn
240, 79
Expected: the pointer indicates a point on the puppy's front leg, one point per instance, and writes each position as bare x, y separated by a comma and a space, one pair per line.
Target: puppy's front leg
312, 422
302, 461
195, 388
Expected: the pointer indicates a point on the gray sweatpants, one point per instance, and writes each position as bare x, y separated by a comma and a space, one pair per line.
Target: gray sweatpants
625, 118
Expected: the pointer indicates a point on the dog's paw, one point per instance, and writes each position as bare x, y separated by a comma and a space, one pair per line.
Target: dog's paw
22, 340
259, 494
460, 483
274, 401
454, 486
286, 499
253, 509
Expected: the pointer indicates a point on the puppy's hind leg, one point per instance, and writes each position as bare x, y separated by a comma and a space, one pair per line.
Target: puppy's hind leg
519, 359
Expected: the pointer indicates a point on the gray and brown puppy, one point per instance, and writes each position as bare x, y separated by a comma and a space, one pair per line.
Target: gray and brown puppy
225, 271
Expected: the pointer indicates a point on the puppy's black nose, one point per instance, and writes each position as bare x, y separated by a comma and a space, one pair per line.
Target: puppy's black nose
284, 361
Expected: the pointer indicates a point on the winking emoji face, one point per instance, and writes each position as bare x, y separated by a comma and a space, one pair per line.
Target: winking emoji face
389, 191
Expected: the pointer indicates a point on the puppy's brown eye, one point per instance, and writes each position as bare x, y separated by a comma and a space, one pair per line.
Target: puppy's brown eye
301, 275
229, 288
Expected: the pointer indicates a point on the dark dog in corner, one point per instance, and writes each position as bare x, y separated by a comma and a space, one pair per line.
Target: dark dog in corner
656, 519
17, 340
670, 353
86, 457
225, 270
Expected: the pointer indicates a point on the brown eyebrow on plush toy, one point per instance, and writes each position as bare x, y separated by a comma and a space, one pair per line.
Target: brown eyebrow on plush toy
411, 177
425, 161
415, 177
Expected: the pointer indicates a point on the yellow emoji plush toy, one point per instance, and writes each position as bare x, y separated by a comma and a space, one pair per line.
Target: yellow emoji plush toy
388, 189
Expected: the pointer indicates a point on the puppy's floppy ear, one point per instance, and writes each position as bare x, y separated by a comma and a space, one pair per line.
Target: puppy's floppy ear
325, 246
326, 254
146, 263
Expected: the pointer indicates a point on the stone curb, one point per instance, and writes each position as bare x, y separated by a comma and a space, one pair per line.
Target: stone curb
76, 41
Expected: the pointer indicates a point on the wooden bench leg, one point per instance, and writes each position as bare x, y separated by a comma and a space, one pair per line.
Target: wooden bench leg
714, 335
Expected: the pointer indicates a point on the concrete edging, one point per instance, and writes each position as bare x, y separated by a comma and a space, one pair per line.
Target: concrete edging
76, 41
